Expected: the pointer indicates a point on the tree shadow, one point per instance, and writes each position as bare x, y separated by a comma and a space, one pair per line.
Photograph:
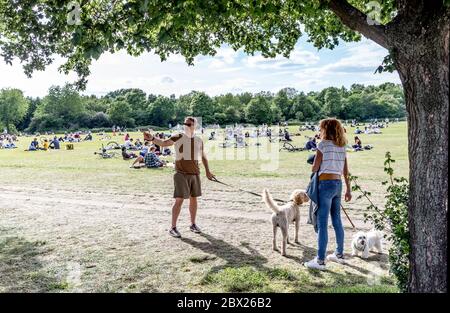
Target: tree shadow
232, 255
337, 280
20, 268
308, 253
380, 259
235, 257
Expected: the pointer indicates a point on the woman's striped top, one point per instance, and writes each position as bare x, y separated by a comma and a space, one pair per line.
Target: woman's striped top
333, 159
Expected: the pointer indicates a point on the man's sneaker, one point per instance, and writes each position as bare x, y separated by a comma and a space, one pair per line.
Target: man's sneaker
338, 258
174, 232
194, 228
315, 264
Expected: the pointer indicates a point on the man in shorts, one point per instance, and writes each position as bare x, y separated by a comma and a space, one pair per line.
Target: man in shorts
188, 151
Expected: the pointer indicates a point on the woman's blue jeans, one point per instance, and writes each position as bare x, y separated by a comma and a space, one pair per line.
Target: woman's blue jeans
329, 204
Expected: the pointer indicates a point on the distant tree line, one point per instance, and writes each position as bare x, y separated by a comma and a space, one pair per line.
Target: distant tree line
63, 108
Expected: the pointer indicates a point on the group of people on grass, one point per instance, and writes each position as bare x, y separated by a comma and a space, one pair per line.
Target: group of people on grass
46, 144
149, 155
368, 130
75, 137
7, 141
311, 144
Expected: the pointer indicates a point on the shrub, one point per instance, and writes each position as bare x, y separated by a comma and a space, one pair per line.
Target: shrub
100, 119
394, 218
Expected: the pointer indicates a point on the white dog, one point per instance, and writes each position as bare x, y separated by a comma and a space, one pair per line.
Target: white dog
284, 215
365, 242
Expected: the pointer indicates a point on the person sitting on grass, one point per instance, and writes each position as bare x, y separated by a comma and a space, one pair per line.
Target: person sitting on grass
145, 149
45, 145
88, 137
151, 160
9, 144
358, 144
34, 145
311, 144
376, 130
129, 144
54, 144
127, 156
138, 144
287, 137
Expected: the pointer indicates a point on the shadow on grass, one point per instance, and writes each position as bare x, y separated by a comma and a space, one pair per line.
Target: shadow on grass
233, 256
20, 268
247, 271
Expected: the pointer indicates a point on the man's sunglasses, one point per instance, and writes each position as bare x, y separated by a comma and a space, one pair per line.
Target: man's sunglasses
188, 124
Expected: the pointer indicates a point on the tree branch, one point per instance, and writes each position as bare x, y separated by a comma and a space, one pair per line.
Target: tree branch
357, 21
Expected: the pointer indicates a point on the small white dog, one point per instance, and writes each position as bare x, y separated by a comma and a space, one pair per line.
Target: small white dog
284, 215
364, 242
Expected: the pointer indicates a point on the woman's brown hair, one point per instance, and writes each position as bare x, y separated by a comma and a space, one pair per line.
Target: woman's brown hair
331, 129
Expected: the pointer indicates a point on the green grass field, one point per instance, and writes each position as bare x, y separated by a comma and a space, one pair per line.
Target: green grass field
80, 166
72, 221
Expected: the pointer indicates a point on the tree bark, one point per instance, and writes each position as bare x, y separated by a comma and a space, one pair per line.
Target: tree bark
418, 40
420, 50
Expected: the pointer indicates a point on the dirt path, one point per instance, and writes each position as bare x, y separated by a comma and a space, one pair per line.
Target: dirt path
108, 240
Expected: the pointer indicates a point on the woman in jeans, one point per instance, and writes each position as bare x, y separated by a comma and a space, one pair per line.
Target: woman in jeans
330, 163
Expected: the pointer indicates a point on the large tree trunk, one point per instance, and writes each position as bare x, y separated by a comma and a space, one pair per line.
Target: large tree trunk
421, 56
418, 40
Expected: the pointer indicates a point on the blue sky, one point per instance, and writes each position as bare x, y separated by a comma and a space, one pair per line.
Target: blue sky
307, 69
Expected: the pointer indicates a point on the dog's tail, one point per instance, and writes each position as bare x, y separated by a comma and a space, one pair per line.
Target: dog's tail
267, 198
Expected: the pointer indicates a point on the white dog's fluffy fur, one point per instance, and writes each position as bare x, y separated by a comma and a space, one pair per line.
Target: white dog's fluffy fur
365, 242
284, 215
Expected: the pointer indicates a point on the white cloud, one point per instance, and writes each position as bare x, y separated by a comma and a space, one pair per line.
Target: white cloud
167, 80
296, 59
176, 58
234, 85
356, 66
223, 58
364, 57
228, 71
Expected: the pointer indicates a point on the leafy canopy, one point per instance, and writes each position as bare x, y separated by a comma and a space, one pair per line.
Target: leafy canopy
34, 31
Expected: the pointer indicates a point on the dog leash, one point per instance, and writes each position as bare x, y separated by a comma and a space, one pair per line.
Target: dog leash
242, 190
348, 217
279, 200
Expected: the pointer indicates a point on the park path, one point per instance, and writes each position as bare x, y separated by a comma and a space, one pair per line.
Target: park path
109, 240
